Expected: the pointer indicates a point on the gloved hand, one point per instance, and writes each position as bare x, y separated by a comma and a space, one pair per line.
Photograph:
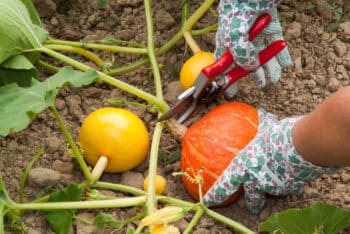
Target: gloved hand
235, 19
268, 164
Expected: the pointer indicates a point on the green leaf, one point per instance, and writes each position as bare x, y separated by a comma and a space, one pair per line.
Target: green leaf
103, 220
34, 16
61, 220
318, 218
17, 30
17, 69
19, 105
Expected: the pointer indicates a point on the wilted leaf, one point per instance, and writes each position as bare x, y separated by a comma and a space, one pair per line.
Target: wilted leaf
19, 105
318, 218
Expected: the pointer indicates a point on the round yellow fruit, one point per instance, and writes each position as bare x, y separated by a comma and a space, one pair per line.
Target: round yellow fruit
193, 66
160, 184
117, 134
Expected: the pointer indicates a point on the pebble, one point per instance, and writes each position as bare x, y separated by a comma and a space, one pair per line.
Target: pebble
134, 179
53, 143
173, 89
345, 177
293, 31
333, 84
43, 176
310, 192
163, 20
63, 167
339, 48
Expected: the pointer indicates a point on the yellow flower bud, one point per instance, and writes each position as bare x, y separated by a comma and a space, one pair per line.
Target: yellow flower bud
169, 214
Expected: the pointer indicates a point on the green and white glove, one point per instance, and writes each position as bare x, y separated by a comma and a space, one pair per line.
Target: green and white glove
268, 164
235, 20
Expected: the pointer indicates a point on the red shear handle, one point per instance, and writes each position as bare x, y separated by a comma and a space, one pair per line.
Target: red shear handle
264, 56
226, 60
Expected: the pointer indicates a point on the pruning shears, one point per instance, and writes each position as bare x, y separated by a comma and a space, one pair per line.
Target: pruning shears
216, 78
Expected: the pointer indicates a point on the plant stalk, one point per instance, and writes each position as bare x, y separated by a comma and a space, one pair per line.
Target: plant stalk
187, 26
111, 48
73, 146
99, 168
194, 221
160, 104
111, 203
87, 54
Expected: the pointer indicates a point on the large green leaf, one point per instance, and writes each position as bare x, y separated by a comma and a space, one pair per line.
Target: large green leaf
318, 218
17, 69
17, 30
34, 16
19, 105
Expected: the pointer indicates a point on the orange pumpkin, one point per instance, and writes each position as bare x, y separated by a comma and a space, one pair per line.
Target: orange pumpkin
212, 142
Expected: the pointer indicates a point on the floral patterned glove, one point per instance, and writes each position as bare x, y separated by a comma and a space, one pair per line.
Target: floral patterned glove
268, 164
235, 19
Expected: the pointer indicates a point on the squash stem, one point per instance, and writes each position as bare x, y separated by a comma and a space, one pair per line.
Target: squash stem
188, 24
86, 53
95, 46
99, 168
71, 143
151, 203
111, 203
160, 104
194, 220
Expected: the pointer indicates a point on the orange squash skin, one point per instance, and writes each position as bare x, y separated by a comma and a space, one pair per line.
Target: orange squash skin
212, 142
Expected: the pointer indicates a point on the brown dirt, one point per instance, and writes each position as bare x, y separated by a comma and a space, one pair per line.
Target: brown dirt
321, 66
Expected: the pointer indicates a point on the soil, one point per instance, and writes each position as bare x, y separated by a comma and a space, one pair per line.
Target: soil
321, 65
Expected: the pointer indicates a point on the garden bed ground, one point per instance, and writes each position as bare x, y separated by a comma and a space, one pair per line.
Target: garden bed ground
321, 66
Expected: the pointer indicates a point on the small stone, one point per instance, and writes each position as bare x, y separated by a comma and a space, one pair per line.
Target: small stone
173, 89
310, 192
293, 31
163, 20
333, 84
339, 48
133, 179
298, 65
43, 176
54, 21
129, 2
53, 143
345, 177
63, 167
345, 27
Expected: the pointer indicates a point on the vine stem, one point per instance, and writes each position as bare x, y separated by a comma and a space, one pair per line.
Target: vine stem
111, 203
194, 220
87, 54
73, 146
111, 48
188, 24
99, 168
160, 104
151, 204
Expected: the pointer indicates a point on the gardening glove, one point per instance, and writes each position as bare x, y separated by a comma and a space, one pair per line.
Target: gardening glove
268, 164
235, 20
